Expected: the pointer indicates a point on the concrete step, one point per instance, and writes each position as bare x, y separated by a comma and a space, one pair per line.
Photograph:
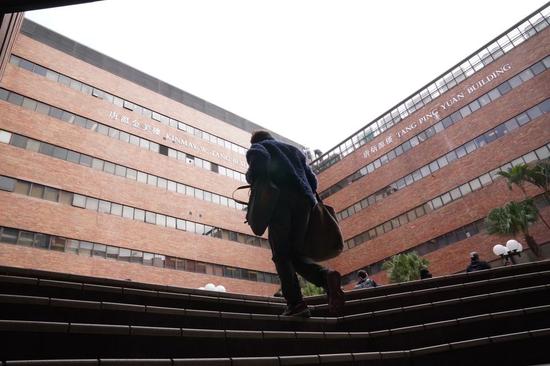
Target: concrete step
520, 348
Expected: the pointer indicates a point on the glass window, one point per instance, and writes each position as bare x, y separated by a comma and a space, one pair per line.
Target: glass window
141, 177
475, 184
92, 204
71, 246
58, 244
136, 256
37, 190
85, 160
9, 235
116, 209
124, 254
419, 211
104, 206
19, 141
150, 217
171, 222
5, 136
147, 258
474, 106
29, 104
25, 238
425, 171
465, 189
7, 184
455, 194
112, 252
534, 112
470, 146
134, 140
504, 88
161, 220
97, 164
151, 180
526, 74
530, 157
99, 250
79, 201
451, 156
85, 248
139, 215
51, 194
543, 152
102, 129
131, 174
73, 157
411, 215
22, 187
485, 179
437, 203
128, 212
109, 167
460, 152
15, 99
120, 170
446, 198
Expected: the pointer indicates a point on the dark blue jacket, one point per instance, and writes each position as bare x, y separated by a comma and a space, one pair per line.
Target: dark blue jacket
287, 166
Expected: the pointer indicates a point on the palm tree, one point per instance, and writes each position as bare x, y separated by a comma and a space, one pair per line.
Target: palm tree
404, 267
515, 218
539, 176
517, 175
309, 289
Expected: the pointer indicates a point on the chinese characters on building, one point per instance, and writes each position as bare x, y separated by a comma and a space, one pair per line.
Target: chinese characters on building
172, 138
434, 114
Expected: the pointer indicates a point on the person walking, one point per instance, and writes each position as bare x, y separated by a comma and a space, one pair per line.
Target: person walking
363, 280
425, 273
286, 167
476, 264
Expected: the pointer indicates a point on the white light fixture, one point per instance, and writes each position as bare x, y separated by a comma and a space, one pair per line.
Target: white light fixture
500, 250
514, 246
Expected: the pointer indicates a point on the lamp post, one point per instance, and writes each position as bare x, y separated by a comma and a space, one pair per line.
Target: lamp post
513, 248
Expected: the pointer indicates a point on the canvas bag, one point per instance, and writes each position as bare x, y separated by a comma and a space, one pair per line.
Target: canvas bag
323, 237
262, 200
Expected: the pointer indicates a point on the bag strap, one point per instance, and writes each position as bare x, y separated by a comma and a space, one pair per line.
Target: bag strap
318, 197
236, 189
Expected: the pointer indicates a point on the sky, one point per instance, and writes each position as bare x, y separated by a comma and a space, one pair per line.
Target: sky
314, 71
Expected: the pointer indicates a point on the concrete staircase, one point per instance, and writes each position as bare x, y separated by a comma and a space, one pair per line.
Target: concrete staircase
499, 316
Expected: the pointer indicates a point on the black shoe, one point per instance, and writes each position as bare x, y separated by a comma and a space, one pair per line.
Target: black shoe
300, 309
336, 298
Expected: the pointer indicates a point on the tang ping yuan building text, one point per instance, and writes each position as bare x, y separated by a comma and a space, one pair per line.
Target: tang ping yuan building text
106, 171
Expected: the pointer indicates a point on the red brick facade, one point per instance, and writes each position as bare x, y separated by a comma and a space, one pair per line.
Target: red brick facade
41, 216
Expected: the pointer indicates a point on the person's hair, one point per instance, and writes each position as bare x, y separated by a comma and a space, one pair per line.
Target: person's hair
474, 256
362, 274
260, 136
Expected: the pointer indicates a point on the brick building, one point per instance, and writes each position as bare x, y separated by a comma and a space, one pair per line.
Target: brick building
108, 172
120, 175
422, 176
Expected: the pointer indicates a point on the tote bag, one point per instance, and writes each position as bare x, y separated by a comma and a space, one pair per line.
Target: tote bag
323, 237
261, 204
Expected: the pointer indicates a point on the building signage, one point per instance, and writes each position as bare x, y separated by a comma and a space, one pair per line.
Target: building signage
435, 113
172, 138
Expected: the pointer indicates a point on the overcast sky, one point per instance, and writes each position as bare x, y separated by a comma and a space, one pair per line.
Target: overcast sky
314, 71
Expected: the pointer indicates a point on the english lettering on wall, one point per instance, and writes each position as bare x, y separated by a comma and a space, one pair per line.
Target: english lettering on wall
435, 114
173, 138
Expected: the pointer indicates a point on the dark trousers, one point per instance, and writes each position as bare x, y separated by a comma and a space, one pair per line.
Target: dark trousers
287, 229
